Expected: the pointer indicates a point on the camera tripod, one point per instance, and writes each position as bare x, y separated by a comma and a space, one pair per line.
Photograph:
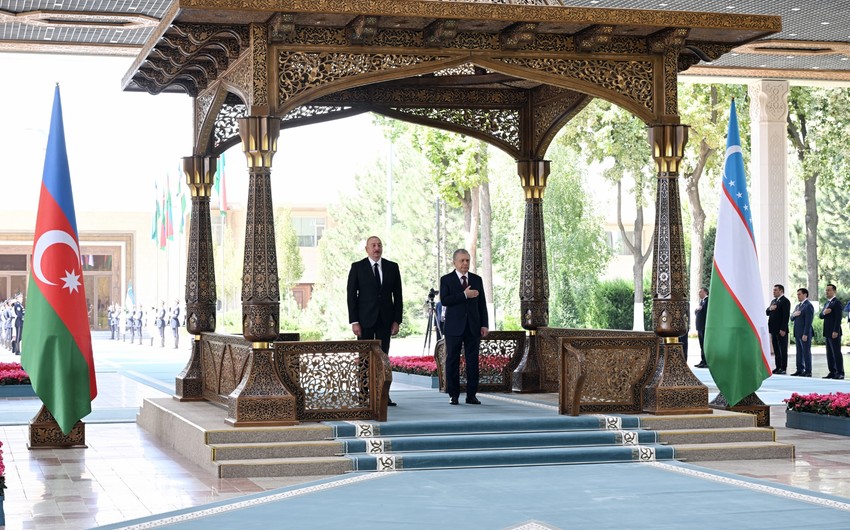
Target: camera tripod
433, 323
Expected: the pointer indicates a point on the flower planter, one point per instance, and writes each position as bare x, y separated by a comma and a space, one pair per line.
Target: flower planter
426, 381
10, 391
817, 422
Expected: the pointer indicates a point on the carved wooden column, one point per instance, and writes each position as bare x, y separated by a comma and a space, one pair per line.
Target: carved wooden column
261, 398
673, 389
200, 273
534, 276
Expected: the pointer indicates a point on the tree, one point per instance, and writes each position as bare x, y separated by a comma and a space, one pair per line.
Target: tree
704, 108
611, 137
817, 125
290, 266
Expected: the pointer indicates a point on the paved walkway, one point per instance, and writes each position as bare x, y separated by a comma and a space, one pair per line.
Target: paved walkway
126, 474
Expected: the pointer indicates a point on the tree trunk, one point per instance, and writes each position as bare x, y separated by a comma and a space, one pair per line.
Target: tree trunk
636, 250
472, 233
698, 221
809, 197
486, 250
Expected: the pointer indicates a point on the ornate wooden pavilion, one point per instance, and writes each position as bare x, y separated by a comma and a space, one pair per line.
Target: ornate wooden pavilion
509, 72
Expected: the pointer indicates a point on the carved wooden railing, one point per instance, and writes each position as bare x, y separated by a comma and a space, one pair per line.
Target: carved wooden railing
605, 371
336, 380
499, 355
331, 380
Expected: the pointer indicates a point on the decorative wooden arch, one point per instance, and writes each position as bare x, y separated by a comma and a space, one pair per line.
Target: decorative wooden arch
509, 72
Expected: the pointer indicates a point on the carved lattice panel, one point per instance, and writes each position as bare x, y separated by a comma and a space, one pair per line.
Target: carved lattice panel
498, 356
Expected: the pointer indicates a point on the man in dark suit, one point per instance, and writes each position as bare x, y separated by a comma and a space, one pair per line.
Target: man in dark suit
462, 294
778, 313
831, 316
375, 305
701, 312
802, 318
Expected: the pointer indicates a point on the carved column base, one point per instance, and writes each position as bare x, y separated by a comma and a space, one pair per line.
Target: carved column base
674, 389
751, 404
261, 399
526, 377
189, 385
46, 434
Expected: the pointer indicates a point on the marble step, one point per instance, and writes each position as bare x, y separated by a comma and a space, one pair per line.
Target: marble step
283, 467
728, 435
704, 452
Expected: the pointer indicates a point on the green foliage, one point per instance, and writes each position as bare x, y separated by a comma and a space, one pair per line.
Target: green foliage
611, 305
708, 255
290, 267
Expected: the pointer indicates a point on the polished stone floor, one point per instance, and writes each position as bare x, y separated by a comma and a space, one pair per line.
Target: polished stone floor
124, 473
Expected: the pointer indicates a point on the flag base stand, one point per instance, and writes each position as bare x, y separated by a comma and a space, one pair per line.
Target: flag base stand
46, 434
751, 404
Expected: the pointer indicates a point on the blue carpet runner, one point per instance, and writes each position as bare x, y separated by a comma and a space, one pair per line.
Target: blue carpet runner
548, 440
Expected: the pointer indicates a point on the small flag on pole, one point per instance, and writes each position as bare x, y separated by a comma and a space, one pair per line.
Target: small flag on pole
156, 214
57, 343
736, 337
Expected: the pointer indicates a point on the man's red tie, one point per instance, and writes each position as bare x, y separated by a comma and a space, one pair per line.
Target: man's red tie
463, 284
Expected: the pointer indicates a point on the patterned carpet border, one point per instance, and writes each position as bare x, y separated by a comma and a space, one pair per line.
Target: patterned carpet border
250, 503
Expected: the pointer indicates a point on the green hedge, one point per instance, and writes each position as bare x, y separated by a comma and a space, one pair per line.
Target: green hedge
611, 305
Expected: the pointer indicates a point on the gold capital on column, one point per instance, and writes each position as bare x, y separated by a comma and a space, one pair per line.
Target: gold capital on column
533, 175
259, 136
200, 174
668, 147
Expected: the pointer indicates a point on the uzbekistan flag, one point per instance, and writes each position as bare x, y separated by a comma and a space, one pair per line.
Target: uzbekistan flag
57, 351
736, 337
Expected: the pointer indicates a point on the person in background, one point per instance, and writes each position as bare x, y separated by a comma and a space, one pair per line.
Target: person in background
831, 316
160, 323
174, 321
802, 318
778, 313
18, 310
139, 322
701, 313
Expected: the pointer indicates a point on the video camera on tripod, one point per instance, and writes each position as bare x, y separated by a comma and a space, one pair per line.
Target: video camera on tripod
433, 321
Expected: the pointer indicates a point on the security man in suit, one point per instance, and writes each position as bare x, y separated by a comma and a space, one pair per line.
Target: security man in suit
778, 313
701, 312
375, 305
802, 318
831, 316
462, 294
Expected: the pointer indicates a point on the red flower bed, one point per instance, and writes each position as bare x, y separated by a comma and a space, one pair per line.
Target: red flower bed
414, 365
13, 374
835, 404
488, 365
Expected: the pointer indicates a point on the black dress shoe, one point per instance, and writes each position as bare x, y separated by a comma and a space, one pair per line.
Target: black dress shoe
838, 377
780, 372
390, 403
796, 374
454, 401
701, 365
829, 376
473, 400
807, 374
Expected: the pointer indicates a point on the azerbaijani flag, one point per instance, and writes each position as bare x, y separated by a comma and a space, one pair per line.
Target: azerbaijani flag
736, 337
156, 214
57, 351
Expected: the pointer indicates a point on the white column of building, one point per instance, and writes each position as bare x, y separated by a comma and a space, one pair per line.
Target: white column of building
769, 196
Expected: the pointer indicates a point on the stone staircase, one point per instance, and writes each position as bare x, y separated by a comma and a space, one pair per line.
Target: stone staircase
197, 431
